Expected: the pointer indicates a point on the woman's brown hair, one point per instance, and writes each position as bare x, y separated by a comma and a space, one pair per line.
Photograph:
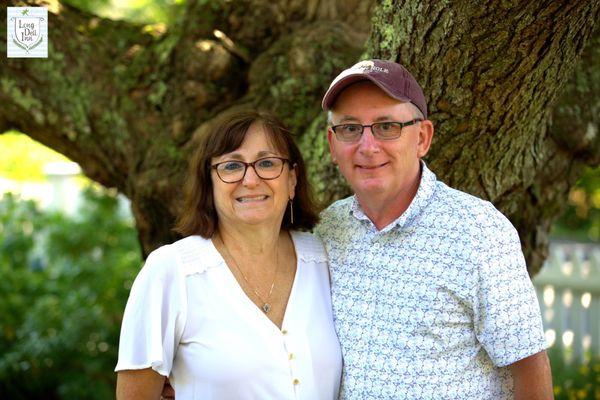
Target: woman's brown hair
198, 215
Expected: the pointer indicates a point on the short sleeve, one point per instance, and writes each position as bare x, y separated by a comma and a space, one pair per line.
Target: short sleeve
507, 315
154, 316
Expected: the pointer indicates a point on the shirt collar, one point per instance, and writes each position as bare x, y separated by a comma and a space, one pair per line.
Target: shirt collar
419, 202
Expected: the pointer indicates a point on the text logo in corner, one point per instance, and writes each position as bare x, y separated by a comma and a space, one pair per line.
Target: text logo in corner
27, 32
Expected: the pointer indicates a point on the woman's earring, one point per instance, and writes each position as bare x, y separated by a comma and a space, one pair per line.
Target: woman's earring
292, 211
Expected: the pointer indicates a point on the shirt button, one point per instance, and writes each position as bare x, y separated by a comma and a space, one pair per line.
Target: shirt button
292, 356
284, 332
296, 382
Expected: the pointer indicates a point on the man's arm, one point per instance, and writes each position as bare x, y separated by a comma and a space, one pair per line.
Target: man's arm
532, 378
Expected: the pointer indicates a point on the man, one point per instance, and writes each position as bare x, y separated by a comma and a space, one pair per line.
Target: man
430, 291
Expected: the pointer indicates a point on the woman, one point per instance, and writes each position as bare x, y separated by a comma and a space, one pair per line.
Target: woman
240, 308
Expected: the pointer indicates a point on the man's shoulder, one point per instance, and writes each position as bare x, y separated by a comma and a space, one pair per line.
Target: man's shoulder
333, 216
469, 209
463, 203
337, 208
450, 194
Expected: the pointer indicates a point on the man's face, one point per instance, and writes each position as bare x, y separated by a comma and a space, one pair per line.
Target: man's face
378, 169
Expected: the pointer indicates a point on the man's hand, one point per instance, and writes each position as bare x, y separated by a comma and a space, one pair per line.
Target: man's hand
532, 378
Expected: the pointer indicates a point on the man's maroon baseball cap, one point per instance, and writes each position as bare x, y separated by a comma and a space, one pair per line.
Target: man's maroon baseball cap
391, 77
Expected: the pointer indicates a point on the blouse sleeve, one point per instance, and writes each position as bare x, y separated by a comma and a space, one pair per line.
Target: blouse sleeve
154, 316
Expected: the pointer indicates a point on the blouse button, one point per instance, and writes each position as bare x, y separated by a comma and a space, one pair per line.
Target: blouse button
292, 356
284, 332
296, 382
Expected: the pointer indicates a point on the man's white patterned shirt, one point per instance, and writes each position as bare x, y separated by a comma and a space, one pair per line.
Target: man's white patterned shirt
433, 305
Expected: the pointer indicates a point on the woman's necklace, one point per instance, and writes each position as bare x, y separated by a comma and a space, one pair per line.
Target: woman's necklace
266, 307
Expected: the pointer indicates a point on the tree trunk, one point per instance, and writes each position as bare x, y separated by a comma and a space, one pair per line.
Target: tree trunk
126, 102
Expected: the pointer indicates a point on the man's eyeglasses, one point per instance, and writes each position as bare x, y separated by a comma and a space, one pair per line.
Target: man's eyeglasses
266, 168
380, 130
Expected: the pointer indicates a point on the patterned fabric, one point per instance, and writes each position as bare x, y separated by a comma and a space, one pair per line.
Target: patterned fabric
433, 305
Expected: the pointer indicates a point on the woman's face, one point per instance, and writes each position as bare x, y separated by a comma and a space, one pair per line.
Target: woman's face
253, 200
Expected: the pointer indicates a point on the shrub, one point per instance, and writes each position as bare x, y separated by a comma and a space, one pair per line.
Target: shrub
64, 282
578, 381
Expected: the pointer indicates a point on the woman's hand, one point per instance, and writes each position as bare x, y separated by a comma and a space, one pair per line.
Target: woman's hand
139, 384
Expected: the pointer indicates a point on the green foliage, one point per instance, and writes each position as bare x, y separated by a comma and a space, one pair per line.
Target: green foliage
64, 285
141, 11
581, 219
23, 159
575, 382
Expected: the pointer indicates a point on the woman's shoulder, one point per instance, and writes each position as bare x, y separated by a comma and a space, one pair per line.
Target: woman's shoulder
190, 255
309, 247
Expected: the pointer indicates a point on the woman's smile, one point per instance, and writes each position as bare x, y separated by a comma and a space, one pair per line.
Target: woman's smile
252, 198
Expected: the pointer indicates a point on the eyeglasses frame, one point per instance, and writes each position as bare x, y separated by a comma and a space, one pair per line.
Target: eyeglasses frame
251, 164
402, 125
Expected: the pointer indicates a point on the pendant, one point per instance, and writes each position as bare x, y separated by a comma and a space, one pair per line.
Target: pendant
266, 308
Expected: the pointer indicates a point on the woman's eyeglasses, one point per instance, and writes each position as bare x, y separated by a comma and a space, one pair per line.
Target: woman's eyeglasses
266, 168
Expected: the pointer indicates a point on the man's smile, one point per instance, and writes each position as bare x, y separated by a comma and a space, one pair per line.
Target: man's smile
371, 166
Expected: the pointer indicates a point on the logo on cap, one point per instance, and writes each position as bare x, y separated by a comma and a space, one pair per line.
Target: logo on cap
368, 66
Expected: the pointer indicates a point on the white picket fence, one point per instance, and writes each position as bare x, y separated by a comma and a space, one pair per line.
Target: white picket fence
568, 289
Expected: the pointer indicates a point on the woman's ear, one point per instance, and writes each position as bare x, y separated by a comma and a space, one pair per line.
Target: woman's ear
293, 180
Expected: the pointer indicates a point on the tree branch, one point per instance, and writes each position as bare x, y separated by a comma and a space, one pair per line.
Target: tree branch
124, 101
70, 100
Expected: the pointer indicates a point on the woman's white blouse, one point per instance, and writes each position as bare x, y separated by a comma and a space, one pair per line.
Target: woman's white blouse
188, 318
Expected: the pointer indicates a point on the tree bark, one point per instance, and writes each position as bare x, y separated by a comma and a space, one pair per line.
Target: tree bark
126, 101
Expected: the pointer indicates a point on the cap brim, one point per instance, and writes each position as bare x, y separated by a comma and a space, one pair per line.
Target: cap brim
333, 91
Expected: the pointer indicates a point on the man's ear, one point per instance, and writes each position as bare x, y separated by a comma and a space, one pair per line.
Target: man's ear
425, 138
330, 140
